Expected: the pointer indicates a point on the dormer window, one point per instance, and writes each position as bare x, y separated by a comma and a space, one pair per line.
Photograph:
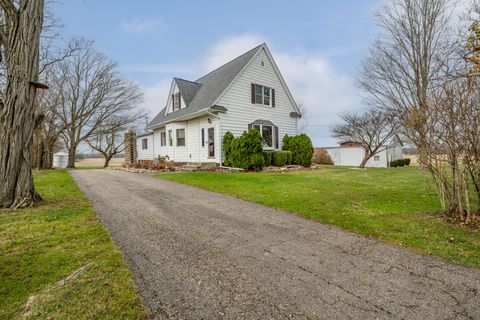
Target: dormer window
263, 95
176, 101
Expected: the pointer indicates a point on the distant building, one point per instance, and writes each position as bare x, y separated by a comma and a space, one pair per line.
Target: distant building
60, 160
351, 154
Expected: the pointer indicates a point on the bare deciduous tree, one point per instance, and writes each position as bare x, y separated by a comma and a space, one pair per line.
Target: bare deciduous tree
417, 71
20, 28
48, 127
372, 130
92, 91
109, 138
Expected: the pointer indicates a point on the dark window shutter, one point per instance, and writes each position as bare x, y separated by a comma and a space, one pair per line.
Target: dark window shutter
179, 101
273, 98
249, 126
276, 137
253, 93
173, 102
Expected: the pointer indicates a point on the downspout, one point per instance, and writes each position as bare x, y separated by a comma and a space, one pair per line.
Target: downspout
219, 131
153, 147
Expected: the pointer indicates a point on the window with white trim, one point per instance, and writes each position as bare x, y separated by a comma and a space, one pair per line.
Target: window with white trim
163, 138
176, 104
376, 158
170, 139
180, 137
266, 131
144, 144
262, 95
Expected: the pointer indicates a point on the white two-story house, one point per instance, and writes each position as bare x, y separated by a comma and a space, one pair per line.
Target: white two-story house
246, 92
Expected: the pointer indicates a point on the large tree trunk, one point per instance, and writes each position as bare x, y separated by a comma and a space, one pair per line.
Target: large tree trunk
107, 160
17, 116
364, 160
72, 153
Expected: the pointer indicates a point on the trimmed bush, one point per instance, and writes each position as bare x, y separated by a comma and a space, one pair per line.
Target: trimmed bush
227, 147
267, 157
321, 156
301, 148
279, 158
289, 156
256, 162
393, 163
244, 152
407, 161
400, 162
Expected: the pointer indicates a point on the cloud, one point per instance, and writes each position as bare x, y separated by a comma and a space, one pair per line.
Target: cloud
142, 25
322, 91
313, 80
230, 48
155, 96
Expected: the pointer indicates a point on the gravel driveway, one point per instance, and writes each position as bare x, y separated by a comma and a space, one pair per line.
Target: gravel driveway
202, 255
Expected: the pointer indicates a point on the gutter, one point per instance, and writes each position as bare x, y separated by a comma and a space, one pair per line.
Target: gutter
177, 119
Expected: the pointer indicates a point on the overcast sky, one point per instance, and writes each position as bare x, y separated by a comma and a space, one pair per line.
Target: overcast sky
318, 45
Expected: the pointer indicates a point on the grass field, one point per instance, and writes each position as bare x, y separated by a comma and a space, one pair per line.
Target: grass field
40, 246
397, 205
97, 163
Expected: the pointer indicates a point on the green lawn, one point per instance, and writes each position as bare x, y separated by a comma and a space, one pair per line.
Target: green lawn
42, 245
397, 205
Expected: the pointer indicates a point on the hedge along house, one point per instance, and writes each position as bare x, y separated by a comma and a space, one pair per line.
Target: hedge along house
247, 92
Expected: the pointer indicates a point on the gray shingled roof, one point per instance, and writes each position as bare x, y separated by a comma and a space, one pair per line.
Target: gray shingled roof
203, 93
187, 89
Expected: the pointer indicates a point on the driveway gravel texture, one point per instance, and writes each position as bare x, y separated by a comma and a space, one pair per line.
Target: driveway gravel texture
197, 254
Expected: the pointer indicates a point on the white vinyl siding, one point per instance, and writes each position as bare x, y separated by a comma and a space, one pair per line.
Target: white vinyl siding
193, 151
241, 111
145, 154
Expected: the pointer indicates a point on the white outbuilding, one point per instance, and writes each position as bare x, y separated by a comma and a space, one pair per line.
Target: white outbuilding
60, 160
351, 154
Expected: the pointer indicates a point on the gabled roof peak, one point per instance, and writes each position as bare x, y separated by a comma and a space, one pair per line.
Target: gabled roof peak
249, 52
203, 92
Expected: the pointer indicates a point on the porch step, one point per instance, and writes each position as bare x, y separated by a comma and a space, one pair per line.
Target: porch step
190, 167
194, 166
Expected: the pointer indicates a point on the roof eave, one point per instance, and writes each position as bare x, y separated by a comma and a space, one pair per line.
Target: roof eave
180, 118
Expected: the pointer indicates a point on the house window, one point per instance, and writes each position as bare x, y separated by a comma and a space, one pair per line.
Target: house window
376, 158
163, 139
176, 101
144, 144
180, 137
170, 140
262, 95
203, 137
267, 134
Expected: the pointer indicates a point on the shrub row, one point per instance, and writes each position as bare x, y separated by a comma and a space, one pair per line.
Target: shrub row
244, 152
277, 158
301, 148
400, 163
